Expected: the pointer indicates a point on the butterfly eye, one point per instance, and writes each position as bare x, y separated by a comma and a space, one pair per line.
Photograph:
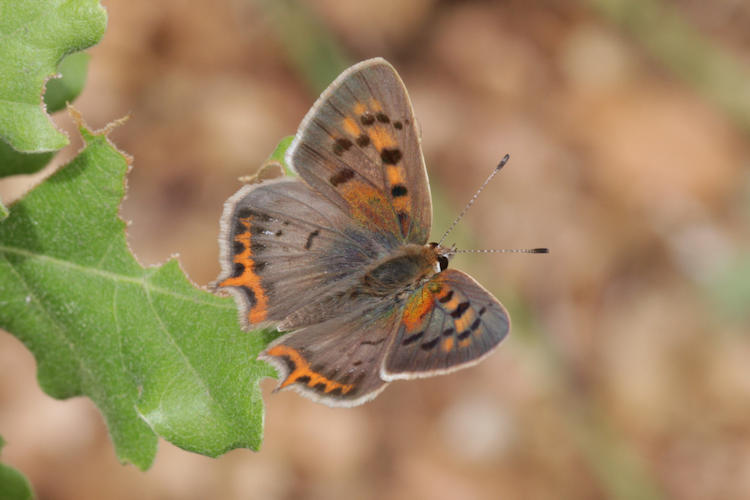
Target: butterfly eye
443, 262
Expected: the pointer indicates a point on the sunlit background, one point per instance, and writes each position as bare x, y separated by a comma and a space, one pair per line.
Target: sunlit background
627, 374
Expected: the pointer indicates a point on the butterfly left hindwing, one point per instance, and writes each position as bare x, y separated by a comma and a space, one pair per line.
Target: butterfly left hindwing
336, 362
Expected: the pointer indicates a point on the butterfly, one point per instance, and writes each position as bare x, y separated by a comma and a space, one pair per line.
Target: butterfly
339, 258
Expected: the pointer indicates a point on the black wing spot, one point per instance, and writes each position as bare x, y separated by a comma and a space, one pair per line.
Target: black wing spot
342, 176
430, 344
412, 338
257, 248
398, 125
290, 365
335, 392
476, 324
247, 212
372, 342
448, 332
249, 294
320, 386
363, 140
259, 265
340, 145
448, 296
460, 310
399, 190
303, 379
383, 118
238, 269
482, 310
390, 156
244, 213
357, 363
279, 232
367, 119
310, 237
463, 335
237, 247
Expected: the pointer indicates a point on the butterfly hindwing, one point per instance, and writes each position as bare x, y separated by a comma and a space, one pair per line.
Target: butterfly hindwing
449, 323
335, 362
358, 146
284, 248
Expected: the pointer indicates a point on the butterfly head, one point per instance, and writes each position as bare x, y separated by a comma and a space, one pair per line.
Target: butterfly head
442, 254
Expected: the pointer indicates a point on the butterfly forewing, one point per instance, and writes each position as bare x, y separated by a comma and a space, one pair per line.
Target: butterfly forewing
285, 248
449, 323
358, 146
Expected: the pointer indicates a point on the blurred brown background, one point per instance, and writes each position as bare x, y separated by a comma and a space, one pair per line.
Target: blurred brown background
626, 375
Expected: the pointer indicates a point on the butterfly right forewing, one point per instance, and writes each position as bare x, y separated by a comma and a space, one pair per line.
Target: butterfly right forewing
358, 147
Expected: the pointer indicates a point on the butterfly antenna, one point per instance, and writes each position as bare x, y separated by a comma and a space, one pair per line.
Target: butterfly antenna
505, 250
474, 198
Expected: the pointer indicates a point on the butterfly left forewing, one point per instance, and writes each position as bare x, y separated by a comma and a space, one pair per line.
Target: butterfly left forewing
287, 254
449, 323
358, 146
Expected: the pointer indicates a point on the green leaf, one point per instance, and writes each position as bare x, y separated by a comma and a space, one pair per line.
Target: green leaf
13, 485
278, 155
157, 355
3, 211
274, 166
13, 163
34, 37
65, 89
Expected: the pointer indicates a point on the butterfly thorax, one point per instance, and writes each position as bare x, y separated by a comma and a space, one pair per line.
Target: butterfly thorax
402, 271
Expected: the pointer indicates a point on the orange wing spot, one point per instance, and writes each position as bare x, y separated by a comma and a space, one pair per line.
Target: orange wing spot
302, 369
451, 305
248, 278
417, 308
395, 175
401, 204
360, 108
464, 322
447, 344
351, 127
368, 205
465, 342
375, 105
381, 138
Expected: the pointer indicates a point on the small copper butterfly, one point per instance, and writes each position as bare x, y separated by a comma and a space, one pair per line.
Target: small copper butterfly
338, 257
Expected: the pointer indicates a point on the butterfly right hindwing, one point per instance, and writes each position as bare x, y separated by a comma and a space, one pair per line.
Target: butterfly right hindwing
449, 323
